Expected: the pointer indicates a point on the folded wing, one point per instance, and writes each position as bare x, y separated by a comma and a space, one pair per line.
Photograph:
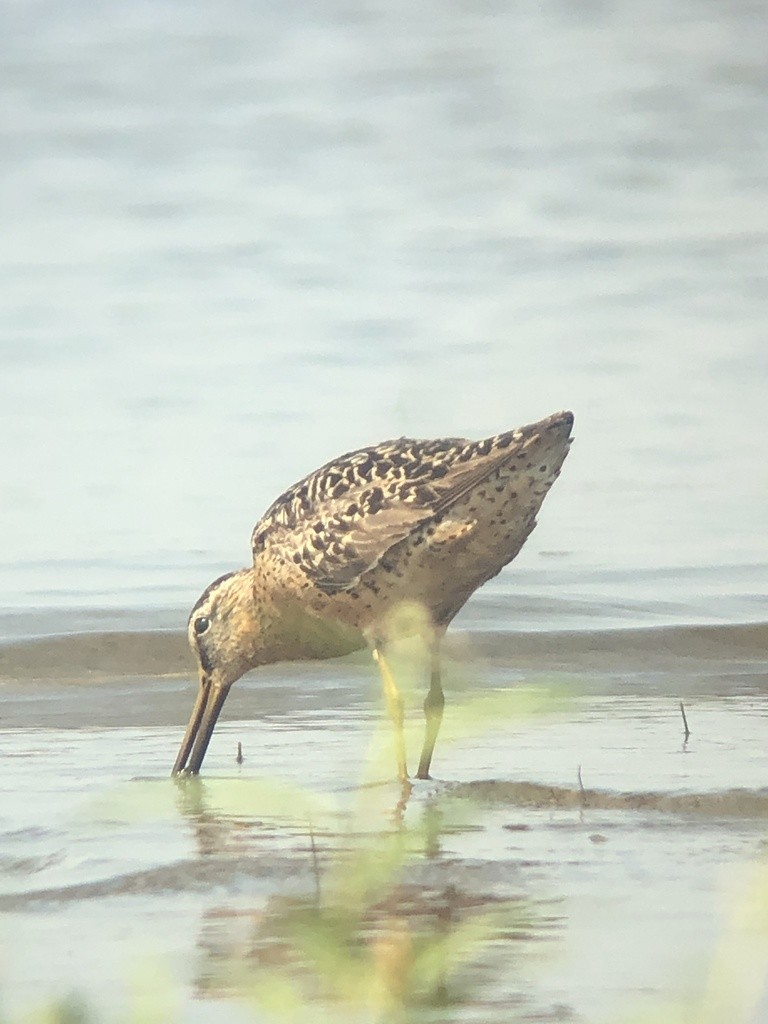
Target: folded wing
339, 522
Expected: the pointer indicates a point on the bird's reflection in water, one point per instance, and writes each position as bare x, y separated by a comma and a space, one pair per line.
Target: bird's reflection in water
220, 831
404, 946
341, 909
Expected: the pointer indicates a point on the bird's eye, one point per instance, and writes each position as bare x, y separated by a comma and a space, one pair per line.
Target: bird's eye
201, 624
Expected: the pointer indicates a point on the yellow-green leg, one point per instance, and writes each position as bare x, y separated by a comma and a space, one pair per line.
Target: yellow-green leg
433, 712
395, 709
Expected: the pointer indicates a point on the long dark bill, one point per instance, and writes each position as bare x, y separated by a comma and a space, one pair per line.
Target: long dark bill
208, 704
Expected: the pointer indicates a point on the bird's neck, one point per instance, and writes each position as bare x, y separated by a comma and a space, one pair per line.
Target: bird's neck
280, 627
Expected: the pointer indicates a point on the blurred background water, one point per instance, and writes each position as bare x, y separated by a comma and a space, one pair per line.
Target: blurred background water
238, 239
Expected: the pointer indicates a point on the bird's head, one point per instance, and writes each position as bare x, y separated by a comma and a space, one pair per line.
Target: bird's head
223, 633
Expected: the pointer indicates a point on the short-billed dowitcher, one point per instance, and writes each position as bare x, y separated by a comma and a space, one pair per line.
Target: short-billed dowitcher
405, 523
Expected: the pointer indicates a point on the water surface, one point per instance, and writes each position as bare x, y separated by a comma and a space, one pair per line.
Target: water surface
239, 241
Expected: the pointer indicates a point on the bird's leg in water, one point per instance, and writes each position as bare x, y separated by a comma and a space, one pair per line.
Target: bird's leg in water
395, 709
433, 712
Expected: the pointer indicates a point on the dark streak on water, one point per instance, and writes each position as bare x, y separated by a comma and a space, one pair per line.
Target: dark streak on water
100, 656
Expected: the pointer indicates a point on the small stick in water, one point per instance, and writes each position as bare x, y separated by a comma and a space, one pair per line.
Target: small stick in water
239, 759
315, 864
685, 722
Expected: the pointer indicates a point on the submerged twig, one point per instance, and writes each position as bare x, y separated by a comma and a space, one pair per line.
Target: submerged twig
685, 722
581, 787
315, 864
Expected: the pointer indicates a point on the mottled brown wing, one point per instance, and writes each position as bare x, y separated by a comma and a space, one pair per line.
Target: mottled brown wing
338, 522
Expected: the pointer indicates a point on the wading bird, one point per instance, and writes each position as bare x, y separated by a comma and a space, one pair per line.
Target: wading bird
420, 524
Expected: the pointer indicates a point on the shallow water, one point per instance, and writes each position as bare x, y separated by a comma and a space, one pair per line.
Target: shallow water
237, 243
572, 795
